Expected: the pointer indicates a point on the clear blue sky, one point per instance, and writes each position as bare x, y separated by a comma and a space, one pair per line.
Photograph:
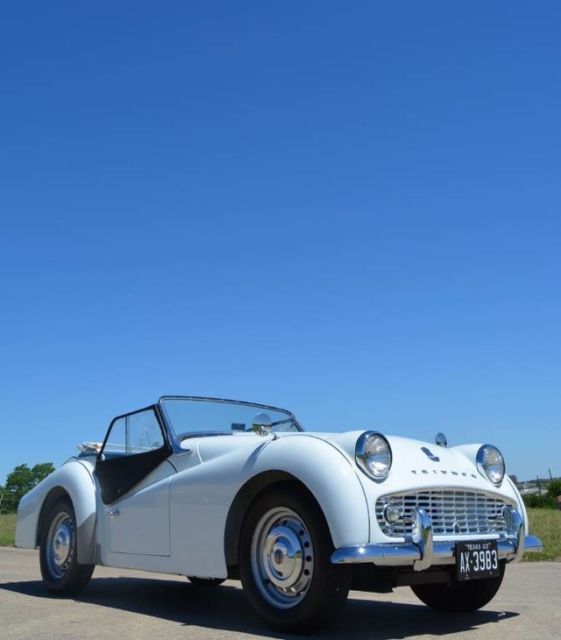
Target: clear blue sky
349, 209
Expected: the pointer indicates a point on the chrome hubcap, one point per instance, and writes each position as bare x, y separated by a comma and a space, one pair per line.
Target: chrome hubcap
282, 557
60, 544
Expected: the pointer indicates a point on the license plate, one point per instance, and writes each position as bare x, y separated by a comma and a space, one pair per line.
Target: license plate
478, 559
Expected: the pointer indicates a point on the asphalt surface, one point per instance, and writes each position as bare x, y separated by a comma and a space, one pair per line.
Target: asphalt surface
120, 604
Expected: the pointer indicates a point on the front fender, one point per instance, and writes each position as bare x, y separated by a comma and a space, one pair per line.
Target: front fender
521, 504
75, 479
331, 479
204, 495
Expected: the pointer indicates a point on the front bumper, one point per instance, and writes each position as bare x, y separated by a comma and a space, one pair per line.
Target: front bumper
421, 551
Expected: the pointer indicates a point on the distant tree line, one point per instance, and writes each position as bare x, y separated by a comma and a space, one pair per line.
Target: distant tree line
21, 480
547, 500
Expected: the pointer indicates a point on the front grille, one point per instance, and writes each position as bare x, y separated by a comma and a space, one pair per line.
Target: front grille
452, 511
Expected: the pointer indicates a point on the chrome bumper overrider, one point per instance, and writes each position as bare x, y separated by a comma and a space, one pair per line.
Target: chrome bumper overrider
420, 551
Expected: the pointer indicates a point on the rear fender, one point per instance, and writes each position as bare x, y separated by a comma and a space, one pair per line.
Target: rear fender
75, 480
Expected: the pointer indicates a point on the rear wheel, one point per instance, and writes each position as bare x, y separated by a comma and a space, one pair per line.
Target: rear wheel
461, 596
62, 574
285, 566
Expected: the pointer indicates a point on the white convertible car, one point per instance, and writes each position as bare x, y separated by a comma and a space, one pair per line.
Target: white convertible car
211, 489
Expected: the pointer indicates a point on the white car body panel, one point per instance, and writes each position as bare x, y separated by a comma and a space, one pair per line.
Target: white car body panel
143, 524
202, 493
201, 497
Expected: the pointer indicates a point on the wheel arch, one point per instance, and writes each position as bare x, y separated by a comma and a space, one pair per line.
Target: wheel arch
332, 485
74, 481
246, 495
55, 494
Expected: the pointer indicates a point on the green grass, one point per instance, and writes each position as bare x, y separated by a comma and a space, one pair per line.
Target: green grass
546, 524
7, 529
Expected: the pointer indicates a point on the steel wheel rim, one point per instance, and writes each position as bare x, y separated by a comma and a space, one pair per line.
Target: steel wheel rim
282, 557
60, 544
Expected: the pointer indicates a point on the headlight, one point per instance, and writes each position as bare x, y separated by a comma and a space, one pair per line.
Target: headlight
491, 464
374, 455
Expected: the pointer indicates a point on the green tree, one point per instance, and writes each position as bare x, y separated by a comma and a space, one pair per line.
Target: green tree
554, 488
21, 480
41, 471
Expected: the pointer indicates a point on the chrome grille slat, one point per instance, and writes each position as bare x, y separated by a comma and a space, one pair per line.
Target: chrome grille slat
453, 512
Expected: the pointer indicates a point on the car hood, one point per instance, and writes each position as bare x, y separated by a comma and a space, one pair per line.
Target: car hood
416, 455
416, 464
419, 464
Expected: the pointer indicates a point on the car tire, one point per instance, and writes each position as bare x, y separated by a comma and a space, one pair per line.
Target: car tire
205, 583
285, 566
460, 596
62, 574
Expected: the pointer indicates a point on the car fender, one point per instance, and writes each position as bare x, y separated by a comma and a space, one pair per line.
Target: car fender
331, 479
73, 478
203, 496
521, 504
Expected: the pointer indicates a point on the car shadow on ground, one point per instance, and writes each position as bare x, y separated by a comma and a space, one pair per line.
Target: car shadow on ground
225, 608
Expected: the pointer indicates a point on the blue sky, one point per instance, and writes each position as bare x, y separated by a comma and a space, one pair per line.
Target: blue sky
348, 209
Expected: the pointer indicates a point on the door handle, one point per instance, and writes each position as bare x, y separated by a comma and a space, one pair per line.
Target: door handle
114, 514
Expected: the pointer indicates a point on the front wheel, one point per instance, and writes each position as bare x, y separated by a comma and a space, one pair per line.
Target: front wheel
285, 566
461, 596
62, 574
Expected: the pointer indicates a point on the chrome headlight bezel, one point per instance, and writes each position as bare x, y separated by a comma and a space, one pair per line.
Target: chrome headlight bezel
483, 464
365, 461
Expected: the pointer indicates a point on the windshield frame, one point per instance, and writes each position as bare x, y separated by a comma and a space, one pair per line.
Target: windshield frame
192, 434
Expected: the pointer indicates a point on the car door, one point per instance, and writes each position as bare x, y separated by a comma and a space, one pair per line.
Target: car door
133, 474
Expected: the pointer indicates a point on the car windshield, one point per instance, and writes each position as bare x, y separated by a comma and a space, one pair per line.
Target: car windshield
190, 416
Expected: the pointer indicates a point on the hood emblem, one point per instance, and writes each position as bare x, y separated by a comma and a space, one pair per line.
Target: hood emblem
430, 455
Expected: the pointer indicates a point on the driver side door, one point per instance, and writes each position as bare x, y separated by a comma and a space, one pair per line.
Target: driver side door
133, 474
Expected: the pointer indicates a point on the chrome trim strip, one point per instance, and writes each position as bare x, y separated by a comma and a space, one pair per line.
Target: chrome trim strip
422, 551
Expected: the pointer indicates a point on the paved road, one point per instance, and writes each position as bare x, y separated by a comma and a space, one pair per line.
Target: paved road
121, 604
